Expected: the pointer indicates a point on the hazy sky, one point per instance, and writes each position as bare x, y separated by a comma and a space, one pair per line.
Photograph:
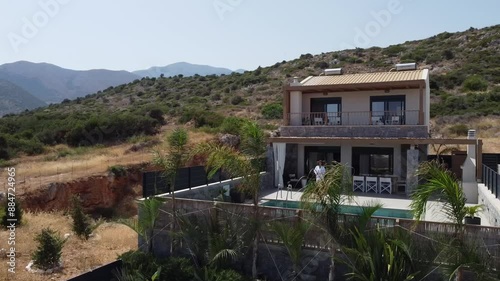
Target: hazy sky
132, 35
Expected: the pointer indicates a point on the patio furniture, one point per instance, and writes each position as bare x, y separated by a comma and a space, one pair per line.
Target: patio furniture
318, 121
392, 120
377, 120
371, 184
333, 120
385, 185
358, 183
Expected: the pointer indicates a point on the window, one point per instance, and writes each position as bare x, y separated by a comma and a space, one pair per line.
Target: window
388, 110
314, 153
332, 107
372, 160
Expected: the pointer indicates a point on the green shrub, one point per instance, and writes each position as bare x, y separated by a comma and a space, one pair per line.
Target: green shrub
48, 252
209, 119
232, 125
272, 111
393, 50
448, 54
475, 83
213, 274
12, 210
236, 100
117, 170
82, 225
459, 129
172, 269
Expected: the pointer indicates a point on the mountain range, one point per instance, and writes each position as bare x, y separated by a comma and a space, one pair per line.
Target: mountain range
464, 91
32, 83
185, 69
14, 99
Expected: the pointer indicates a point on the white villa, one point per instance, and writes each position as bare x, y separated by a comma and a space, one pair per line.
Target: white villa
376, 123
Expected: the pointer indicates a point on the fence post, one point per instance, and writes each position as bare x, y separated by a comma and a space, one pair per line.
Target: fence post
497, 187
189, 178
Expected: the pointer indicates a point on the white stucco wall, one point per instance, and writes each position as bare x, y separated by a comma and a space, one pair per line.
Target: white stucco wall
491, 209
427, 97
296, 107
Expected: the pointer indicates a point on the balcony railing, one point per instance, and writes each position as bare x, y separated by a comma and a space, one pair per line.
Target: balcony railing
407, 117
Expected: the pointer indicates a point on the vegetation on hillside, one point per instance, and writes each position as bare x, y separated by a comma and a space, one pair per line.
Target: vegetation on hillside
465, 72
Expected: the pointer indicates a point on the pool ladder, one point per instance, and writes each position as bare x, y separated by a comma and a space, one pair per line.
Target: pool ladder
280, 191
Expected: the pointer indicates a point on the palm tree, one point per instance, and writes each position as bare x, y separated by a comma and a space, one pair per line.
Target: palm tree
325, 197
171, 162
441, 184
377, 256
149, 211
293, 238
245, 163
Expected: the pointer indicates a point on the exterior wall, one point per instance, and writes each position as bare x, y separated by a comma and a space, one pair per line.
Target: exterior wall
491, 210
382, 131
346, 154
360, 101
296, 106
300, 159
427, 98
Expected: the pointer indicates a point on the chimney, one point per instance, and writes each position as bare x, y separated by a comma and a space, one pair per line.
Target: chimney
295, 82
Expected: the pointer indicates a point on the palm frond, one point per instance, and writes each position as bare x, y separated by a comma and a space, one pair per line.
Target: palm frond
440, 184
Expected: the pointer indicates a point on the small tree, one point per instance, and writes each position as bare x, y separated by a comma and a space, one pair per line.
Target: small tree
48, 252
82, 224
13, 213
475, 83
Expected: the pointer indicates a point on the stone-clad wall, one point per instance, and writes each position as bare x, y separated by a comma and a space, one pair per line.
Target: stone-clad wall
407, 131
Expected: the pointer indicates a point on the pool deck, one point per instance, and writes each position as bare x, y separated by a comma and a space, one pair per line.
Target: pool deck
392, 201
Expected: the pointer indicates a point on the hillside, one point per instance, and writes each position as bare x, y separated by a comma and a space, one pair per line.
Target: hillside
14, 99
182, 68
53, 84
465, 92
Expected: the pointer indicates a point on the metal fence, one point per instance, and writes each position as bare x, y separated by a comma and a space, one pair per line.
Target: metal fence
427, 235
103, 273
156, 182
492, 180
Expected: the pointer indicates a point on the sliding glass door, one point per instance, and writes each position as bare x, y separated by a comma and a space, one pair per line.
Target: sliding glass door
388, 110
331, 107
373, 160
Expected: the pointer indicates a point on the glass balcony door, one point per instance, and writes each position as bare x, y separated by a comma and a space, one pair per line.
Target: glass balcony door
388, 110
330, 109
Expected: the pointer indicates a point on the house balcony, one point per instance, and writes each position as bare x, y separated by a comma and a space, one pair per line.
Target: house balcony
375, 124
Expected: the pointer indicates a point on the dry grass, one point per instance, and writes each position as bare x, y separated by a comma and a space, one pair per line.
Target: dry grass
78, 255
37, 171
487, 129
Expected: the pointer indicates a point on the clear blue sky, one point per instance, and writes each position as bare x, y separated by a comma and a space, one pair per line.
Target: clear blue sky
132, 35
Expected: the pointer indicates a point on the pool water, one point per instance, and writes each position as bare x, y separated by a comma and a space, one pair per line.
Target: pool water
346, 209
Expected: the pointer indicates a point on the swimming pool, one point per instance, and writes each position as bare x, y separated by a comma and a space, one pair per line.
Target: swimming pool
346, 209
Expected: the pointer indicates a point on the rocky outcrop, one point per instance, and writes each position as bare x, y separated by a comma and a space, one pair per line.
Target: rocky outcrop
229, 140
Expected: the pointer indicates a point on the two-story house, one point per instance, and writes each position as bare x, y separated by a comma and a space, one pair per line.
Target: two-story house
376, 123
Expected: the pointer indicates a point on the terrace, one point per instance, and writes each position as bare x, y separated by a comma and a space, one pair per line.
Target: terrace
354, 118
